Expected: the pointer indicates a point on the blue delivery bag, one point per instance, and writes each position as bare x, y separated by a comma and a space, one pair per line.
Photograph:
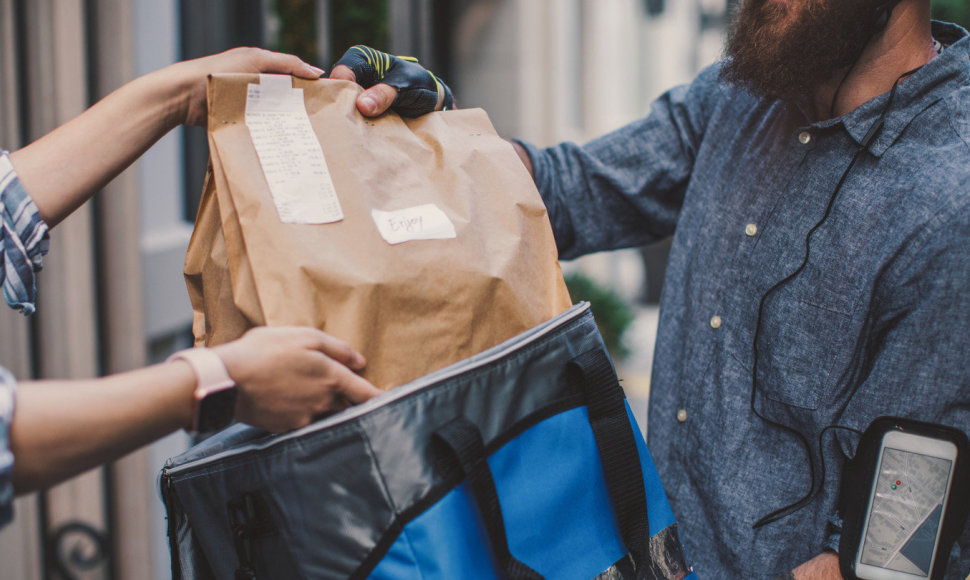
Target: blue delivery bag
524, 461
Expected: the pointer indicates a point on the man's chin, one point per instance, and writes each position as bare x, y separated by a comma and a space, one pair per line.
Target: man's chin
778, 85
784, 49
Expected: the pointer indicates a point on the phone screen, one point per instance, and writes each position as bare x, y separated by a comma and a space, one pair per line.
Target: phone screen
907, 506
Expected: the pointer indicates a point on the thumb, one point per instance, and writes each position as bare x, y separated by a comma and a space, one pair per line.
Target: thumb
376, 100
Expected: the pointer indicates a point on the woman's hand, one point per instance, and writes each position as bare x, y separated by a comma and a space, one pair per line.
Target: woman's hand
288, 376
191, 75
63, 169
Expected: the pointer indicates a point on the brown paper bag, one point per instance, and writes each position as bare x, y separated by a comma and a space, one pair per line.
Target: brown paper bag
409, 308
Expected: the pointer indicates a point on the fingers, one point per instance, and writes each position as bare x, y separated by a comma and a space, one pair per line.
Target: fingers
344, 73
356, 389
349, 384
192, 75
376, 100
336, 349
277, 62
288, 375
337, 352
373, 102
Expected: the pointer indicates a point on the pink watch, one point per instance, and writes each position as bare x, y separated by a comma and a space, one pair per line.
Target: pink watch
215, 394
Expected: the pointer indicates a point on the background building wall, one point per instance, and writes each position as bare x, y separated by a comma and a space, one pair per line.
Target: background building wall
570, 70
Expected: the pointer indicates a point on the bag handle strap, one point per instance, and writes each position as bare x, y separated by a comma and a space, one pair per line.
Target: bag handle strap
617, 445
464, 441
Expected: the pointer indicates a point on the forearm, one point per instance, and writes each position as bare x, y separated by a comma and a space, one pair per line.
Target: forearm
62, 428
65, 168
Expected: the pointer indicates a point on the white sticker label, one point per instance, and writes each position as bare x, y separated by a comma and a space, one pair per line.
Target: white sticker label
289, 153
422, 222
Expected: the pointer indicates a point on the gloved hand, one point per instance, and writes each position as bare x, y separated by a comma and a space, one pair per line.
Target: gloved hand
395, 82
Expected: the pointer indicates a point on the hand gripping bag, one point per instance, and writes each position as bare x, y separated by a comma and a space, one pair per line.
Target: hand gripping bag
522, 462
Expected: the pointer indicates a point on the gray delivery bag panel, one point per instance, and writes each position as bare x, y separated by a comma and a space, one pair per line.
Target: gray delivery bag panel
523, 461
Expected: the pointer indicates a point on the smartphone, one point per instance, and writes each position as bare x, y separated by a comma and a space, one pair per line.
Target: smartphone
904, 517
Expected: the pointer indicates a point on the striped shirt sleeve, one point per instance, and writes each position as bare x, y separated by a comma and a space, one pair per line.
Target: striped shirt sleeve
24, 240
7, 389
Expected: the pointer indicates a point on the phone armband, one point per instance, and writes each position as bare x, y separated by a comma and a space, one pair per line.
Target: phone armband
902, 500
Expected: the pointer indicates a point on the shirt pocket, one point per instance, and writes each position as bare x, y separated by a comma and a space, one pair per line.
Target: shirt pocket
805, 340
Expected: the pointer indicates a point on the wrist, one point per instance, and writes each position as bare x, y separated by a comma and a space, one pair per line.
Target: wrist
173, 89
214, 395
182, 401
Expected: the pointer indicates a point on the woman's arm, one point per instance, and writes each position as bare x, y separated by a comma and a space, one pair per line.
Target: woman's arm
286, 377
65, 168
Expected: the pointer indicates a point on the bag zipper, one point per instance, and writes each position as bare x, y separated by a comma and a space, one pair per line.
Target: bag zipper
473, 362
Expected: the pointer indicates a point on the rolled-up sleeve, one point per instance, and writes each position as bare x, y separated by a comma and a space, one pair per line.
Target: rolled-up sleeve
7, 389
25, 240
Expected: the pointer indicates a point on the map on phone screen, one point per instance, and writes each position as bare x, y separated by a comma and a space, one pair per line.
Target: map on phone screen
906, 511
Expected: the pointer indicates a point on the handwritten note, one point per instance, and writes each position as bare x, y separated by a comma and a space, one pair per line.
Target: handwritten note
422, 222
289, 153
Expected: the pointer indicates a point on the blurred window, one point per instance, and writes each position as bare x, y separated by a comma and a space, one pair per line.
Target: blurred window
207, 28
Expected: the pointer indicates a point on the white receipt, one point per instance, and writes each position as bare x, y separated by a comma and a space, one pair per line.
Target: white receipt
422, 222
289, 153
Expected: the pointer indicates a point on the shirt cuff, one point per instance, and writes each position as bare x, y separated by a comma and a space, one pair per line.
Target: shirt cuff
835, 533
7, 401
24, 240
539, 169
544, 173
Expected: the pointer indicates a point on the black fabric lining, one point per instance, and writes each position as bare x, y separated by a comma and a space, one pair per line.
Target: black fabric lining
454, 479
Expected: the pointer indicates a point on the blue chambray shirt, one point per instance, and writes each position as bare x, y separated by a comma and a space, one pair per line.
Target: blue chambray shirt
878, 322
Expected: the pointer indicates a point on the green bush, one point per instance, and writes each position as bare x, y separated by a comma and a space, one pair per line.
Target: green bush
952, 11
358, 22
351, 22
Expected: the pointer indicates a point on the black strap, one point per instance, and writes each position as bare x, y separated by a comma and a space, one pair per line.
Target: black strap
617, 445
462, 438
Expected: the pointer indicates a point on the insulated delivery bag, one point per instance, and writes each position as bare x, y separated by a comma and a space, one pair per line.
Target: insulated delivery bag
522, 462
506, 450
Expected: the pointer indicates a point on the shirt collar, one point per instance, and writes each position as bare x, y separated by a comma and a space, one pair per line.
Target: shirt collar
946, 73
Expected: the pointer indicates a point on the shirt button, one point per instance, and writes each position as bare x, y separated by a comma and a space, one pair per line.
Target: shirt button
805, 137
751, 230
682, 415
715, 322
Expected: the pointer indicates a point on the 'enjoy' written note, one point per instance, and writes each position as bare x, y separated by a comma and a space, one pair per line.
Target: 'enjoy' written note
422, 222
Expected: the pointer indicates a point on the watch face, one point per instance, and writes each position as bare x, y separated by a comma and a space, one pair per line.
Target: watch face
216, 410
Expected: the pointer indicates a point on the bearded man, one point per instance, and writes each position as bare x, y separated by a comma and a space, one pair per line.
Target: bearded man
817, 187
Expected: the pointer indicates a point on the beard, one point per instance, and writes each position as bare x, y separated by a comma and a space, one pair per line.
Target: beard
787, 49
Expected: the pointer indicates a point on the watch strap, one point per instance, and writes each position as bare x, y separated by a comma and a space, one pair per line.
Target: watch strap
214, 393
